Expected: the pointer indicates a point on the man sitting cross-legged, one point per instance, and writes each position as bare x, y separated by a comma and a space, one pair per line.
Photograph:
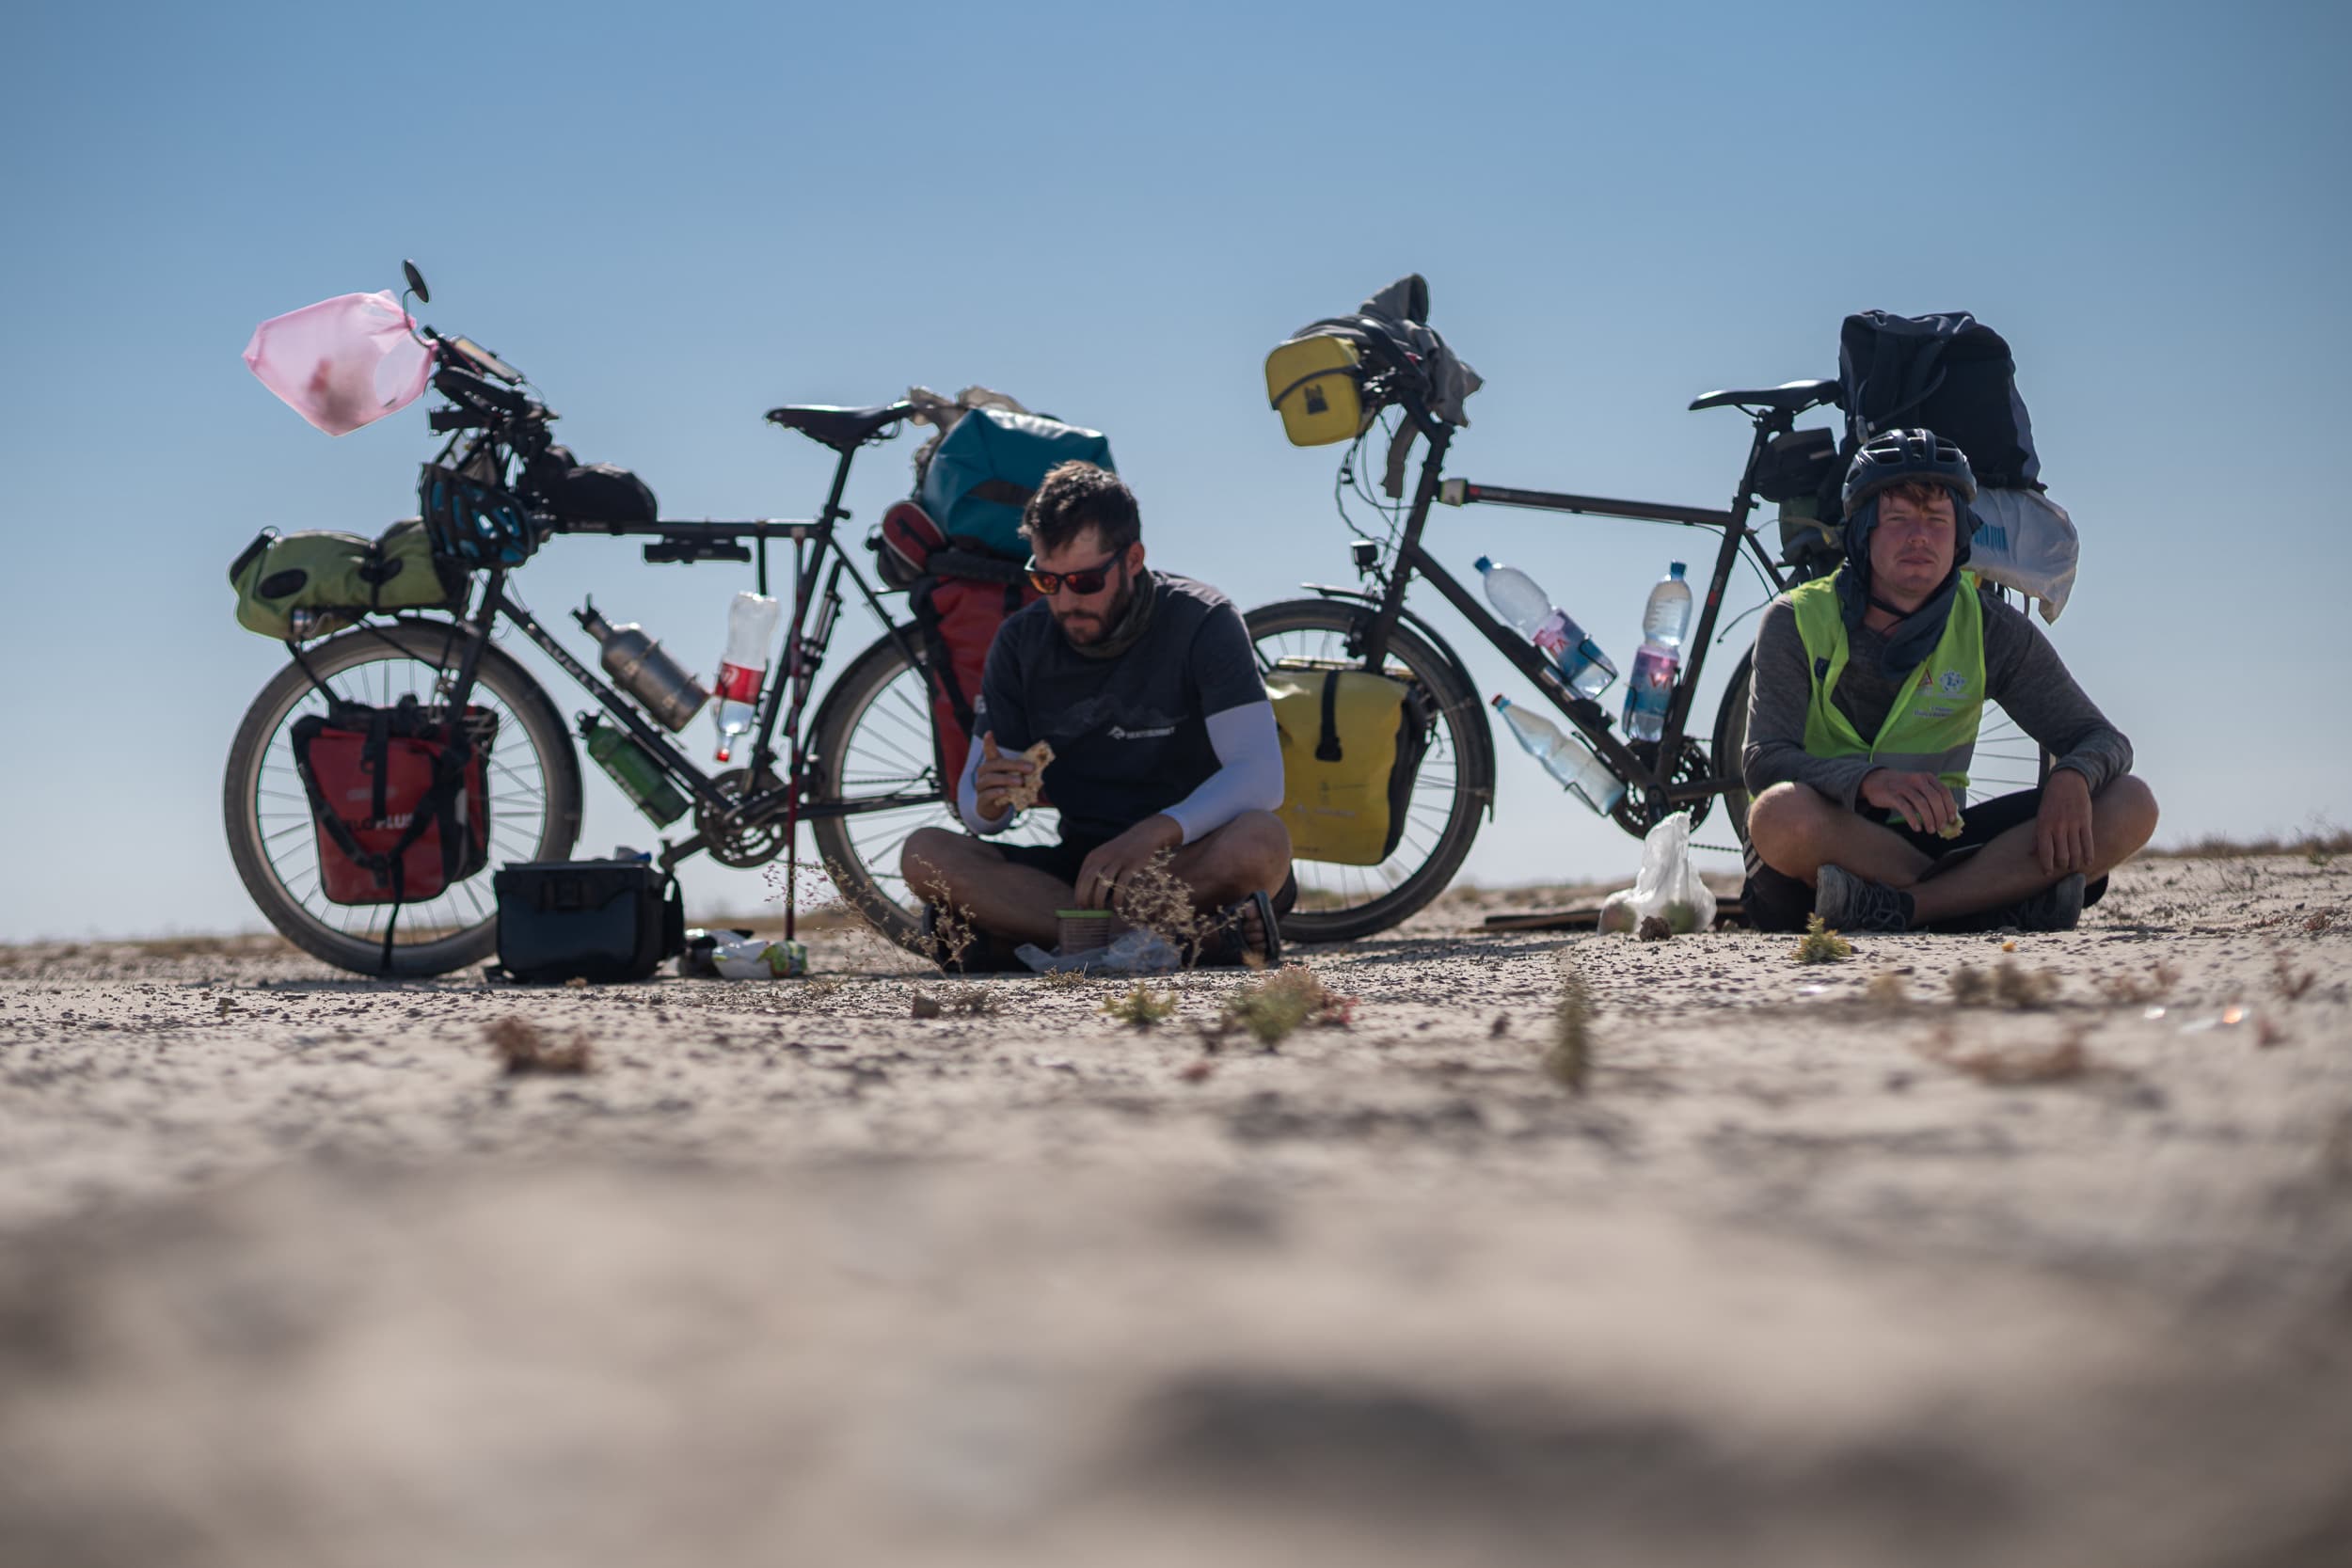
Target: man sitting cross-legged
1145, 686
1897, 645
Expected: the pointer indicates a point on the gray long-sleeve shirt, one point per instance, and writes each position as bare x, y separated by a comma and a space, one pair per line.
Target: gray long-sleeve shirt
2022, 673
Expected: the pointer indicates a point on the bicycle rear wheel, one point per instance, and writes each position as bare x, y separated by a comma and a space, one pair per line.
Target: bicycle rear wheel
1456, 780
532, 782
876, 754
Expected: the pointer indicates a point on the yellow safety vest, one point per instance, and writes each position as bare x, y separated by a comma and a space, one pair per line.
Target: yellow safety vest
1931, 731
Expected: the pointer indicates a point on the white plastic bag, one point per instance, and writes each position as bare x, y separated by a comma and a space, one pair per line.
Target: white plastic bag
1667, 886
2026, 541
344, 362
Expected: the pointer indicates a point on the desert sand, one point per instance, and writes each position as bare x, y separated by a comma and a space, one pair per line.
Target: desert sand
1822, 1266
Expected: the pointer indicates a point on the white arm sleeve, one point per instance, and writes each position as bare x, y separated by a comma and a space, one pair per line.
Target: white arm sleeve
968, 795
1248, 776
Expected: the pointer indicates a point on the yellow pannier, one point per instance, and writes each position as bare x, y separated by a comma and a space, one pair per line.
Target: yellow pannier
1352, 743
1313, 382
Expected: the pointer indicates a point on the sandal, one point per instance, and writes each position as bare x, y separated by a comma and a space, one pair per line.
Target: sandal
1229, 939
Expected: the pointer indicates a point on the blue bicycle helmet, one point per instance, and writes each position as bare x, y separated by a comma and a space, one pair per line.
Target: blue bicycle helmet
1902, 456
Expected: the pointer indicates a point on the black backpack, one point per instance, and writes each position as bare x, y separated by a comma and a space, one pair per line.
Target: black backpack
1949, 373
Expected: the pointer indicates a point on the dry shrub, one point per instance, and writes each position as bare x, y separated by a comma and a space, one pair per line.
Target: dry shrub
2006, 983
1886, 990
2022, 1065
2131, 990
1063, 979
1569, 1060
1154, 899
1141, 1007
1653, 928
1820, 944
521, 1047
1272, 1007
2292, 982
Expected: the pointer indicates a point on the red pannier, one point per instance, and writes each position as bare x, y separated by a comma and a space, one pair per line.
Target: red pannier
960, 597
399, 799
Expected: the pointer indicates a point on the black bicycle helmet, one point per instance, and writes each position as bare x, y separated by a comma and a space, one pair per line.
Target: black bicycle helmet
1900, 456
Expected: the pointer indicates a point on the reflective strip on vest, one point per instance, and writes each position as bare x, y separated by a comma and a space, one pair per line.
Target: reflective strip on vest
1933, 729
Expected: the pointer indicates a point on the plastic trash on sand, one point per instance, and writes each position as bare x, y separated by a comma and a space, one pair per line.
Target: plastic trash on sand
758, 959
1667, 886
344, 362
1136, 952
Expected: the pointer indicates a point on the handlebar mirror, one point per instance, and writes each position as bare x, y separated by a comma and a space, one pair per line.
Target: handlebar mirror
416, 281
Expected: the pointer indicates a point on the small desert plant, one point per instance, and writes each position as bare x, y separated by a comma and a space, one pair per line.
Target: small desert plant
2132, 989
1141, 1007
1154, 899
1569, 1060
521, 1047
2017, 1066
2292, 982
1063, 979
2006, 983
1820, 944
1272, 1007
1887, 989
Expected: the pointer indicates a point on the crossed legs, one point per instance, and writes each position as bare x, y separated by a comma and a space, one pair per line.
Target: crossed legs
1796, 830
1249, 854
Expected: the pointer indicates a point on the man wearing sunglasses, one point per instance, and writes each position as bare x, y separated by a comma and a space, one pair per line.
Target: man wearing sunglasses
1146, 688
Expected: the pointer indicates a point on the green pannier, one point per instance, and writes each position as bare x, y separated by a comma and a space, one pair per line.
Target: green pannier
338, 578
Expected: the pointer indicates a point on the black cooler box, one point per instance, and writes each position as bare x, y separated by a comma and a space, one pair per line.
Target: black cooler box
586, 920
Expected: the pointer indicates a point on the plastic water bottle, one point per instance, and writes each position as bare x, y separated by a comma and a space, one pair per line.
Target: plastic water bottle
1650, 689
1524, 605
1566, 757
1666, 619
751, 626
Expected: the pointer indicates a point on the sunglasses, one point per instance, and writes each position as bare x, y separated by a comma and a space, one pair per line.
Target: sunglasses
1087, 581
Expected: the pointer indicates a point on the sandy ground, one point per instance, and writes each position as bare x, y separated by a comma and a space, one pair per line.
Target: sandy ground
1811, 1273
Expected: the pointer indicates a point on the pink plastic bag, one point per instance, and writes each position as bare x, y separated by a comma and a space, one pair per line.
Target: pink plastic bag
344, 362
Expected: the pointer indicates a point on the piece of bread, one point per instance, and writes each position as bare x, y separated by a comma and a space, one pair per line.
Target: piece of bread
1024, 796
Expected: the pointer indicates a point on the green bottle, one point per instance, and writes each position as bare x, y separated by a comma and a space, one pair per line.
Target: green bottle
633, 768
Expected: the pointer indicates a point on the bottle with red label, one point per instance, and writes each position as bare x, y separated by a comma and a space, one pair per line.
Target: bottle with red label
750, 628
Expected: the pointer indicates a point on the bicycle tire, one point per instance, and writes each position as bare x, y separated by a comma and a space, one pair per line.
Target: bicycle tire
534, 804
1455, 785
873, 738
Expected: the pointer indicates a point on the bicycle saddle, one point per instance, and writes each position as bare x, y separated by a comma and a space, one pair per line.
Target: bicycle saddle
1794, 396
842, 429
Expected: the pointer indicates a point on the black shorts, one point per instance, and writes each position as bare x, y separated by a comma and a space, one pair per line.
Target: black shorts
1058, 861
1778, 902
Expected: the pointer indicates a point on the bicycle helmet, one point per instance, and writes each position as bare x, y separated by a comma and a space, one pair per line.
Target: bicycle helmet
475, 524
1902, 457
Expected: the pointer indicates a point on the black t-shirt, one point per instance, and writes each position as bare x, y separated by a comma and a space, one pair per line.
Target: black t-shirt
1130, 734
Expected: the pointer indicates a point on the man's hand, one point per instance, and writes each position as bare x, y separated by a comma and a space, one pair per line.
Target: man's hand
1925, 803
2061, 832
998, 776
1111, 863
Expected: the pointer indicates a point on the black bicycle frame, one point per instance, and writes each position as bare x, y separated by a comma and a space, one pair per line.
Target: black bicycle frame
814, 545
1654, 775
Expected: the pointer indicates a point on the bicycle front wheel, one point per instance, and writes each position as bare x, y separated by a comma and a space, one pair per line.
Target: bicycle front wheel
533, 785
1456, 780
875, 759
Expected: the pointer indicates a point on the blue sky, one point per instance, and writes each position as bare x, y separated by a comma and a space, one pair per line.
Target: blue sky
676, 217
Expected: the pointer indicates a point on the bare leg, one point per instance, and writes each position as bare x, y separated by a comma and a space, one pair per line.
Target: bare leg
1249, 854
974, 879
1798, 830
2122, 817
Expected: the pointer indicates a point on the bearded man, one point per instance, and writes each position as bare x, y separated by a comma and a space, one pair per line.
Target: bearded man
1144, 687
1869, 684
